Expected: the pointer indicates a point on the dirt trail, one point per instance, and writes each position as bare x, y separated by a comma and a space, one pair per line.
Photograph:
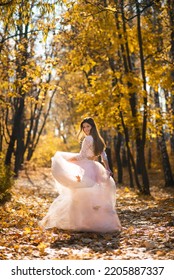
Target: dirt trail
148, 225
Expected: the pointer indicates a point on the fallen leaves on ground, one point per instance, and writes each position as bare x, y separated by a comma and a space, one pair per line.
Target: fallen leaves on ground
147, 221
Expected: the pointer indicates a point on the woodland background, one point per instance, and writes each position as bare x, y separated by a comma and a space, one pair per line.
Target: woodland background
61, 61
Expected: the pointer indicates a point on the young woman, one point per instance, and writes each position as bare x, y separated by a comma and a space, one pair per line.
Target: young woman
86, 200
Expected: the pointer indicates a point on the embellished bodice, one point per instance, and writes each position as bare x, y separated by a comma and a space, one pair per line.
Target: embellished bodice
87, 149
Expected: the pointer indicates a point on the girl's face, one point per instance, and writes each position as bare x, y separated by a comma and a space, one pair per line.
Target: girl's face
86, 128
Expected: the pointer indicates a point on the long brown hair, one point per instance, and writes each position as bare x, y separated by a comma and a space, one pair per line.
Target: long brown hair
99, 144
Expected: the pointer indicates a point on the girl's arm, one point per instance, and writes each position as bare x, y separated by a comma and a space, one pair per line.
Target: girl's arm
86, 145
104, 159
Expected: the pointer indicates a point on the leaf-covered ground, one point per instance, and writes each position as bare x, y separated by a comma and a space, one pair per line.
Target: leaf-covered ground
147, 233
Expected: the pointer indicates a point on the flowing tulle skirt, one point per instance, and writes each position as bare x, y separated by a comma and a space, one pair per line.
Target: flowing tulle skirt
86, 200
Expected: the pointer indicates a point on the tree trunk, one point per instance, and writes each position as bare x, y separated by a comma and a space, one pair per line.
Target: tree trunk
140, 139
145, 179
163, 149
130, 157
149, 157
172, 143
130, 171
171, 16
124, 156
1, 135
165, 161
15, 130
117, 147
36, 130
19, 153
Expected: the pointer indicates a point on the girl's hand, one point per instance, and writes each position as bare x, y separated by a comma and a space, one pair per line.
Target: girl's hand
72, 159
92, 158
110, 172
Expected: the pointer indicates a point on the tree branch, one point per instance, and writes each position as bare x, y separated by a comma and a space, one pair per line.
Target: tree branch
6, 3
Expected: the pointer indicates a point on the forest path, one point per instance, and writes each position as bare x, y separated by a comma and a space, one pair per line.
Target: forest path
148, 225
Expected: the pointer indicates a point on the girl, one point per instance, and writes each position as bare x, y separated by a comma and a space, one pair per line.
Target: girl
86, 200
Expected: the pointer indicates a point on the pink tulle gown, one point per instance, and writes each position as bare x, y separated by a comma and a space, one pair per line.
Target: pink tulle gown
87, 194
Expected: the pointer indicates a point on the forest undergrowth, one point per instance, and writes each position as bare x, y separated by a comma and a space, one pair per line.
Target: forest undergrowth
147, 224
